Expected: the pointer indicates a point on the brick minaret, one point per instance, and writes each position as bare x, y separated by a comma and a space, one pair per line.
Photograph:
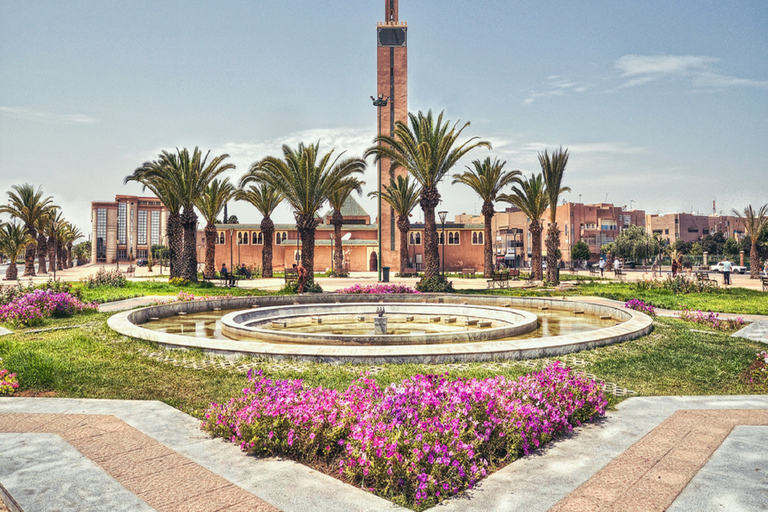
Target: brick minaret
392, 83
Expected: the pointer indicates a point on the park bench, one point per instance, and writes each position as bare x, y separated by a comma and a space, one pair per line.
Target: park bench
409, 272
703, 276
620, 274
291, 275
594, 271
514, 274
499, 278
228, 279
130, 271
765, 283
468, 273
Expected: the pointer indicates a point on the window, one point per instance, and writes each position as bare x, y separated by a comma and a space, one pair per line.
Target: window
281, 236
477, 237
415, 238
242, 238
705, 231
221, 238
154, 228
101, 234
257, 238
121, 209
141, 254
122, 254
142, 228
453, 238
666, 231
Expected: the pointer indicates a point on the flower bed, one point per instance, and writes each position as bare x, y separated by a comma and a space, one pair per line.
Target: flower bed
32, 308
756, 376
711, 319
378, 288
416, 442
8, 382
104, 277
639, 305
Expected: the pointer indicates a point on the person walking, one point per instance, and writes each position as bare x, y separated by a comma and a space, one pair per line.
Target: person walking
602, 266
727, 266
616, 265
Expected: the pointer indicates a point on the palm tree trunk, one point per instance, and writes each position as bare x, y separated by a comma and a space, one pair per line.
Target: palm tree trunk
404, 226
29, 254
210, 250
306, 228
268, 232
62, 257
11, 273
69, 254
338, 253
51, 250
175, 243
488, 248
189, 254
535, 229
430, 198
553, 243
754, 260
42, 249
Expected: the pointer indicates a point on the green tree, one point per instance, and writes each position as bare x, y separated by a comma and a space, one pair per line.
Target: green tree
755, 224
731, 248
487, 178
403, 196
82, 252
28, 205
54, 230
14, 238
532, 199
428, 150
71, 234
552, 169
336, 199
580, 251
306, 179
265, 198
210, 204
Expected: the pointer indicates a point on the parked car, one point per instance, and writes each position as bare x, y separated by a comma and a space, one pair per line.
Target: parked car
735, 269
141, 262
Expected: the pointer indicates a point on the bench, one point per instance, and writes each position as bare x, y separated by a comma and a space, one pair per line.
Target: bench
514, 274
620, 274
765, 283
291, 275
468, 273
594, 271
228, 279
409, 272
500, 278
130, 271
703, 276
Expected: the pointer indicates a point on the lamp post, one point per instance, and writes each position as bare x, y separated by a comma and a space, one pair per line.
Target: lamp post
231, 248
117, 236
443, 215
379, 102
333, 246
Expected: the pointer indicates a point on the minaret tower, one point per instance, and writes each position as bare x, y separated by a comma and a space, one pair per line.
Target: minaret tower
392, 86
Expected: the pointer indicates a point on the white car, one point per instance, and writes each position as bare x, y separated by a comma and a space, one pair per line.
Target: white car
735, 269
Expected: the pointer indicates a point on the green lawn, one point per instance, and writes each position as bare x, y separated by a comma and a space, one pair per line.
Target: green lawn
132, 289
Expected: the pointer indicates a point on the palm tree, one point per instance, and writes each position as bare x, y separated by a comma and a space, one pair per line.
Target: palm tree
265, 198
210, 205
403, 196
152, 176
43, 249
53, 230
487, 179
27, 205
552, 169
428, 151
754, 224
336, 199
531, 198
14, 238
71, 234
306, 179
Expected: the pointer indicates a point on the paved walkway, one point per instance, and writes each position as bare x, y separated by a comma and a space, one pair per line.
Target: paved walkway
680, 454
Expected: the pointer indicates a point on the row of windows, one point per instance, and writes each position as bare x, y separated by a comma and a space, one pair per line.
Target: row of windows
257, 238
453, 238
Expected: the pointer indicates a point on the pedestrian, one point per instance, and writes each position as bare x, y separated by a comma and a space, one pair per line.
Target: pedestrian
223, 270
727, 266
616, 265
675, 268
602, 266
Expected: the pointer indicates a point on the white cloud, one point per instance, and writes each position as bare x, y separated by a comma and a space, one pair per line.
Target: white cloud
46, 117
557, 86
642, 69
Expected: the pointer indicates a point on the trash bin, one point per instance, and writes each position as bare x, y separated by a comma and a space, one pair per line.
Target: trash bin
384, 274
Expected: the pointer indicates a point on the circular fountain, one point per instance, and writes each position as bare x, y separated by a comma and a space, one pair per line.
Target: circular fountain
372, 329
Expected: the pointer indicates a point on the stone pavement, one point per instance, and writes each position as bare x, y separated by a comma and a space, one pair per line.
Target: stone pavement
680, 454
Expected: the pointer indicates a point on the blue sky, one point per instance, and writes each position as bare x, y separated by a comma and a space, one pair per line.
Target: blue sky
663, 105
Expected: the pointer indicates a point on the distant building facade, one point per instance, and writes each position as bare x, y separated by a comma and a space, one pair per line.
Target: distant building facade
691, 227
125, 229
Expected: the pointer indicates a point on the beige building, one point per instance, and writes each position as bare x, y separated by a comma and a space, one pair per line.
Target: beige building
692, 228
126, 228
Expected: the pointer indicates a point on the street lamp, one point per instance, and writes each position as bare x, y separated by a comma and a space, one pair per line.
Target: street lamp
333, 246
443, 215
379, 102
117, 236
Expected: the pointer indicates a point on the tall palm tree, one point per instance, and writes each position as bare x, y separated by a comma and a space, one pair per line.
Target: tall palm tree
14, 238
190, 175
27, 205
336, 199
152, 176
306, 179
53, 230
71, 234
532, 199
754, 224
43, 249
403, 196
210, 205
265, 198
487, 178
428, 150
552, 169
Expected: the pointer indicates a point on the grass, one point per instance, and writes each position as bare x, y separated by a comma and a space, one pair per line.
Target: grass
132, 289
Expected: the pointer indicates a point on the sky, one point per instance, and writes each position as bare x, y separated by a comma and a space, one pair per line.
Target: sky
662, 105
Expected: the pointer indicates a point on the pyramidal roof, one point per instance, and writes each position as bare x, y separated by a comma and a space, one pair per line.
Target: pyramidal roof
350, 208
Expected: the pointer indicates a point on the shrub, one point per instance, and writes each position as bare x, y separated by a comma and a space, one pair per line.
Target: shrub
711, 319
680, 284
178, 281
104, 277
437, 284
8, 382
378, 288
417, 442
11, 293
639, 305
310, 287
32, 308
756, 376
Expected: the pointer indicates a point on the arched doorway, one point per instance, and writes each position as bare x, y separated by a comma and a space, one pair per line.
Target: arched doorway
373, 262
